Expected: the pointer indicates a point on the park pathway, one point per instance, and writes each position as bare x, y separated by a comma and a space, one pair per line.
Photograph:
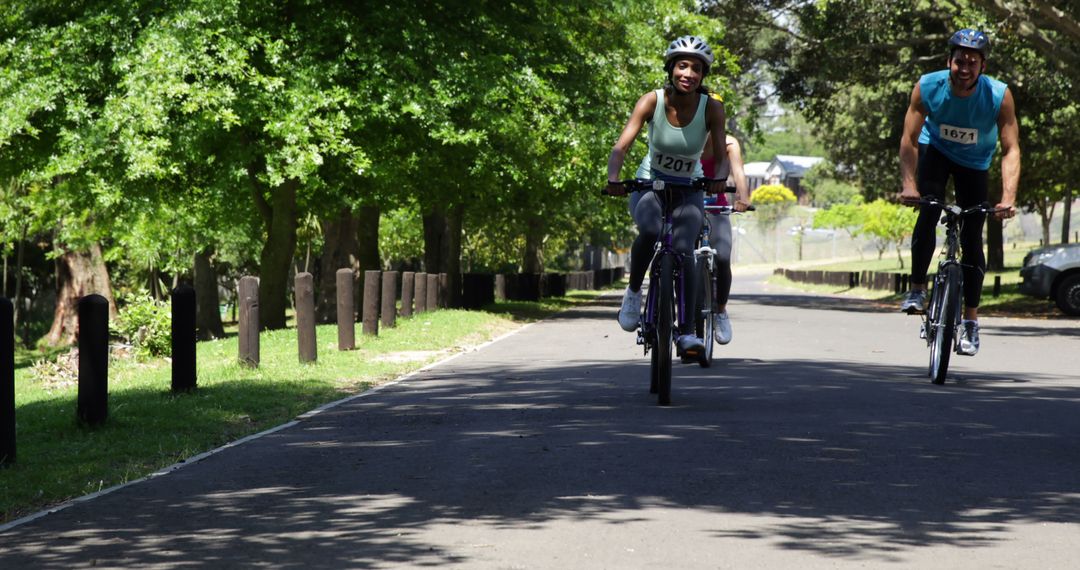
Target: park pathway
815, 441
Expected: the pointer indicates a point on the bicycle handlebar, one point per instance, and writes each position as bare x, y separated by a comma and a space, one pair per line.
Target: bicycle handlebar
955, 210
644, 184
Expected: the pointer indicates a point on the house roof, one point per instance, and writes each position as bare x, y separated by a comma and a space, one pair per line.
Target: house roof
791, 165
756, 169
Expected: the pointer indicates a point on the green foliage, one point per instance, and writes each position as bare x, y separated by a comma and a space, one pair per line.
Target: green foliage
146, 324
889, 224
401, 235
772, 203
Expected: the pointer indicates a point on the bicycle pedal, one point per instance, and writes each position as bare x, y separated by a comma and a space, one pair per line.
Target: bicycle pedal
922, 331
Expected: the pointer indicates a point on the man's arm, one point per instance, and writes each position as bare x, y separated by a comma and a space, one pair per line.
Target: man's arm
909, 147
1009, 135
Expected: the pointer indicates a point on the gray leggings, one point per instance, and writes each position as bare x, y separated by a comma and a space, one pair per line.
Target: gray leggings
686, 217
720, 240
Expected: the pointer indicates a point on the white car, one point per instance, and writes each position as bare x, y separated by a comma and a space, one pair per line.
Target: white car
1054, 272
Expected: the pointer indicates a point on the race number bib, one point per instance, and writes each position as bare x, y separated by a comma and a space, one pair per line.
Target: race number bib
674, 164
959, 134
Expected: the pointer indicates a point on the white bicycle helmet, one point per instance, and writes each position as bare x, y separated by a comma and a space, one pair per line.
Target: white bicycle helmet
689, 45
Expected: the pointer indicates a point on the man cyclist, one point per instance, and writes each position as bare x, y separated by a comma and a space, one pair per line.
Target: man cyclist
953, 123
680, 116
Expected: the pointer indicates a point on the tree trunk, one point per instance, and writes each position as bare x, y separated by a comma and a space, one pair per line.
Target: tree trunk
533, 261
340, 251
78, 273
367, 238
434, 233
1046, 215
995, 245
207, 314
452, 261
1066, 216
280, 218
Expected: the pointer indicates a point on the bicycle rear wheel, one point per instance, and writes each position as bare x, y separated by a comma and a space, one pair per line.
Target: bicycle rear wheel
945, 308
665, 316
703, 321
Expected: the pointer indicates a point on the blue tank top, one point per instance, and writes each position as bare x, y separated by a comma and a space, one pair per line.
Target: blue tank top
965, 129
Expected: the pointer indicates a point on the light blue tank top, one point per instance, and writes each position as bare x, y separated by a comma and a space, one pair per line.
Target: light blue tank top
965, 129
674, 152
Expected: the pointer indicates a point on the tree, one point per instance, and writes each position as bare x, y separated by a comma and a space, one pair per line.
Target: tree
889, 224
849, 217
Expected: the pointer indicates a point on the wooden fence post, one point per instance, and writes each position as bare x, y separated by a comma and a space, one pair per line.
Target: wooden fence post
408, 282
248, 300
304, 288
371, 302
346, 309
432, 291
420, 294
389, 298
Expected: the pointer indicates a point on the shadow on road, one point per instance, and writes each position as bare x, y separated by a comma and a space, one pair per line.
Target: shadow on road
849, 460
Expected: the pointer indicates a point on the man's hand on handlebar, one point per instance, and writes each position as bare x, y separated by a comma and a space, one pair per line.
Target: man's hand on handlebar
615, 188
909, 196
1004, 211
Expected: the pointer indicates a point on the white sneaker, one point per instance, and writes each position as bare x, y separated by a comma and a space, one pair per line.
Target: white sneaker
722, 328
630, 312
969, 338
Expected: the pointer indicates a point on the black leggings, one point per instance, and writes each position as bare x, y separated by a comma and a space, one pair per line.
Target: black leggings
686, 218
971, 190
720, 240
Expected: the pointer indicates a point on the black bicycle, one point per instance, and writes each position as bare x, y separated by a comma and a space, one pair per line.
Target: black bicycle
705, 312
661, 311
942, 317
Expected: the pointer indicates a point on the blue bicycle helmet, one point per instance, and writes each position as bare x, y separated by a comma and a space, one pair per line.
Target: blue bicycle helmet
970, 39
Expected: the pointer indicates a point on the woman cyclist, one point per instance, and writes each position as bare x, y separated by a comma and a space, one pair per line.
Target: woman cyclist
730, 168
680, 116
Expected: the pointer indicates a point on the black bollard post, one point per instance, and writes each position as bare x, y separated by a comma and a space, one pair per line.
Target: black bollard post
7, 382
93, 399
997, 285
304, 285
183, 339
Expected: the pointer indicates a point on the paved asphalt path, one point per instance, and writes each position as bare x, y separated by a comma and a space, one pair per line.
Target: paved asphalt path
815, 442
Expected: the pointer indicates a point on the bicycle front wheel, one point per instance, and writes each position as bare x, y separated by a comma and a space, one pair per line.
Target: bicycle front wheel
665, 318
945, 309
704, 322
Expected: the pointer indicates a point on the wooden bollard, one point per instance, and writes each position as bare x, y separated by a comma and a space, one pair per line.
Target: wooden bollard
248, 299
420, 293
346, 310
93, 399
389, 298
7, 382
304, 288
408, 282
432, 291
371, 302
183, 339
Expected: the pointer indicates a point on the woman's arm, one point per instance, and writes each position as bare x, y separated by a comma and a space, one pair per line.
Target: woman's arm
643, 110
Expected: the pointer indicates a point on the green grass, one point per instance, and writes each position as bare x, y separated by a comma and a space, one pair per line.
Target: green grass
150, 428
1009, 302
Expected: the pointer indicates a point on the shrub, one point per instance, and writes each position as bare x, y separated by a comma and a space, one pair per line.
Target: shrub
146, 324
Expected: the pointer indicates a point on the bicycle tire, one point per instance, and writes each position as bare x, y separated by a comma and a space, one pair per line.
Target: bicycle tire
665, 319
703, 321
654, 367
946, 308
